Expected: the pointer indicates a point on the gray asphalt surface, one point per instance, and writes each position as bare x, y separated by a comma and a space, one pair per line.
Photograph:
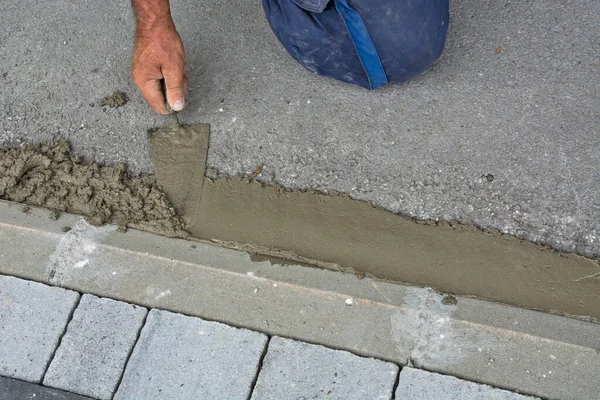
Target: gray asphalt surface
515, 95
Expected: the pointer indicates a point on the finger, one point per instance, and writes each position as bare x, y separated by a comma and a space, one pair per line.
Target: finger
174, 84
152, 92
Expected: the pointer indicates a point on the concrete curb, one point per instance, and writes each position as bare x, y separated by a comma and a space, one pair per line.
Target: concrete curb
526, 351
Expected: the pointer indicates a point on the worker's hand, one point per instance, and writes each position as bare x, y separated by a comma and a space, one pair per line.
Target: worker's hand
158, 54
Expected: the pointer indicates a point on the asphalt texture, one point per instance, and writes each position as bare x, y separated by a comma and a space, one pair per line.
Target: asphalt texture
502, 132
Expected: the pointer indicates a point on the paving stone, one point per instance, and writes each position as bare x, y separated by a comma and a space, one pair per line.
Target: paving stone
33, 317
296, 370
416, 384
13, 389
179, 357
92, 354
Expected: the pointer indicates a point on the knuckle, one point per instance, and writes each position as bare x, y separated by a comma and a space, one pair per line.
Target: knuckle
175, 88
137, 78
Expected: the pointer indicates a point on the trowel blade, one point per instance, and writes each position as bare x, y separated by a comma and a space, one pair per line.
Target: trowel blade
179, 155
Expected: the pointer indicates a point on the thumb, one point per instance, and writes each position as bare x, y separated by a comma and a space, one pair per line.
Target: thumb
174, 86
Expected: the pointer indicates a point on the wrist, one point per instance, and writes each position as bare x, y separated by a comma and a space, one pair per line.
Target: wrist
148, 27
151, 15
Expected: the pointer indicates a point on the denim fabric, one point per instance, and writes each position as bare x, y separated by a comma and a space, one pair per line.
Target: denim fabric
409, 35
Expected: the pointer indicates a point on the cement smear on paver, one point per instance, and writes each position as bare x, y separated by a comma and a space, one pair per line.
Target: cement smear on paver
331, 228
48, 175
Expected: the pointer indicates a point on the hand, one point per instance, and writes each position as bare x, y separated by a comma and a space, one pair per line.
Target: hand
158, 54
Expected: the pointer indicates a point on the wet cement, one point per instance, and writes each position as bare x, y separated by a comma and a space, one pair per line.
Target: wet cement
48, 175
180, 170
451, 258
356, 236
115, 100
340, 232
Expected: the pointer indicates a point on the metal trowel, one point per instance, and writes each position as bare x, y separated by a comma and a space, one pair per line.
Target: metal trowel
179, 156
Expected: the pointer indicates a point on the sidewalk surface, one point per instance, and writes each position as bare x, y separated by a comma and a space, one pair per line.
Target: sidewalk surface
91, 347
502, 132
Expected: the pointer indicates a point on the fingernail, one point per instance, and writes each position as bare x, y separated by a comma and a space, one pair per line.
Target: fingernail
178, 105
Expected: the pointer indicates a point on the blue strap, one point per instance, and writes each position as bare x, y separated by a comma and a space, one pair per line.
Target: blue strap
363, 44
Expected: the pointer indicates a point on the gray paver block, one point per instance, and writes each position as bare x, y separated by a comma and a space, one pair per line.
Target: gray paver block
92, 354
180, 357
295, 370
416, 384
33, 317
13, 389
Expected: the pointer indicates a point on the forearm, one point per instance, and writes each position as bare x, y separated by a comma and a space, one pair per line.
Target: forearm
151, 13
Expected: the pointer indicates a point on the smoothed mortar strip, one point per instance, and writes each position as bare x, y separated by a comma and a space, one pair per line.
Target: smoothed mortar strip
331, 228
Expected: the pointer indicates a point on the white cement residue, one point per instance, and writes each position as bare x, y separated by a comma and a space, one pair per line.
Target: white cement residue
427, 330
162, 294
75, 250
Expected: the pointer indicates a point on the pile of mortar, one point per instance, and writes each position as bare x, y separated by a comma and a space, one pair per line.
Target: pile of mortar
47, 175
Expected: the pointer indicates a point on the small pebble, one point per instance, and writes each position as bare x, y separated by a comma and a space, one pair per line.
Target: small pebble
449, 300
349, 301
